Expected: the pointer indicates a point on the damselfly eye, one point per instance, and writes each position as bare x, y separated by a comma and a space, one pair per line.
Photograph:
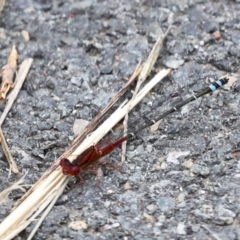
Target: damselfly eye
75, 170
68, 167
64, 162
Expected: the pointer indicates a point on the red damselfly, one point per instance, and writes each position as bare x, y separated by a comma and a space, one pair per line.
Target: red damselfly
86, 161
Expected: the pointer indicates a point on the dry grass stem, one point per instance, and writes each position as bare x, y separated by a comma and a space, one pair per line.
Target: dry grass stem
8, 72
7, 153
152, 58
118, 114
23, 215
147, 68
17, 185
51, 200
24, 68
93, 123
99, 116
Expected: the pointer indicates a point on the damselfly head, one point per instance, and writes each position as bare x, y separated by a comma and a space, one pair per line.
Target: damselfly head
69, 168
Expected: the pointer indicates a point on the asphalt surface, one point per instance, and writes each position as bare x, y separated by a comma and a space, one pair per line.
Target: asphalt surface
180, 182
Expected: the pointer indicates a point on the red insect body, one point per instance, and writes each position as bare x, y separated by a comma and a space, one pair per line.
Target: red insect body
68, 168
88, 158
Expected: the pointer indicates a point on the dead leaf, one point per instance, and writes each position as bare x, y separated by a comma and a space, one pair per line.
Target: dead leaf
7, 73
